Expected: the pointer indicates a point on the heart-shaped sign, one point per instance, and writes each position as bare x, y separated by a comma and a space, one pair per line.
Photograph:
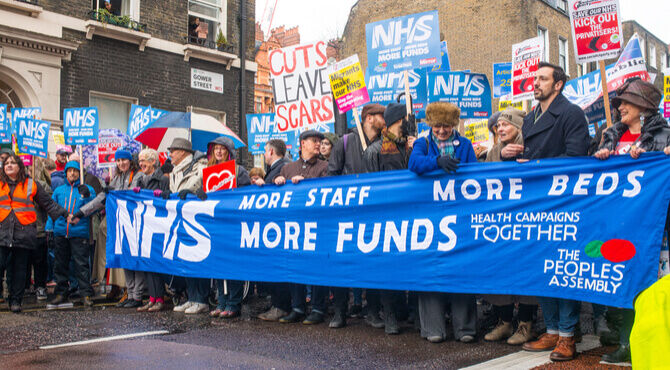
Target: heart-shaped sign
220, 181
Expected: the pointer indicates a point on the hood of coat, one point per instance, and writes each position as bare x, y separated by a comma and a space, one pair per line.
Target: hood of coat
225, 141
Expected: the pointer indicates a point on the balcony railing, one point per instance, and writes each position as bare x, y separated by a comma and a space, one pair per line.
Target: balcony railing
103, 16
210, 44
31, 2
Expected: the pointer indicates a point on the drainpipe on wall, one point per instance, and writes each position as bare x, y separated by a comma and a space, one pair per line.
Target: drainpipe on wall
243, 59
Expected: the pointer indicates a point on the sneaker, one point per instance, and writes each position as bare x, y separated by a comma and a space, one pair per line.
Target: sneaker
523, 334
197, 308
132, 303
294, 316
313, 318
88, 301
338, 320
502, 331
59, 302
435, 339
183, 307
15, 307
41, 294
467, 339
374, 320
273, 314
356, 311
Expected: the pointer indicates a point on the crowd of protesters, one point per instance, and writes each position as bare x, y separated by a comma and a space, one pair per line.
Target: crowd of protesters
58, 211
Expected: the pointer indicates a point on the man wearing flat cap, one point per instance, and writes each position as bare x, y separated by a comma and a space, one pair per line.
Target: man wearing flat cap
307, 166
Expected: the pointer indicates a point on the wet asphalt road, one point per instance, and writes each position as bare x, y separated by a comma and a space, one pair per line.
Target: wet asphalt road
198, 341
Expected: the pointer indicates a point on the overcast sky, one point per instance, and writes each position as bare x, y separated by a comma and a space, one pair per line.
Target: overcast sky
325, 19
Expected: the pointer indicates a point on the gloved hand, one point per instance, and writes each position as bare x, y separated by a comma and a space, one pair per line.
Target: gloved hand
201, 194
158, 192
184, 193
136, 189
167, 166
448, 164
83, 190
164, 194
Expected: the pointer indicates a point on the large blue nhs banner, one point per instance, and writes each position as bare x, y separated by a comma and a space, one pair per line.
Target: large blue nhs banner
572, 224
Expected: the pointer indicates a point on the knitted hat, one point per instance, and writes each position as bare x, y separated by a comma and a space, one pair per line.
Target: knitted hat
331, 137
442, 113
123, 154
512, 116
394, 112
72, 164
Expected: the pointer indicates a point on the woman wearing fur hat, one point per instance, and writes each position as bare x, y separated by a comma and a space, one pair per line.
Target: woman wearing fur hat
508, 127
641, 129
444, 148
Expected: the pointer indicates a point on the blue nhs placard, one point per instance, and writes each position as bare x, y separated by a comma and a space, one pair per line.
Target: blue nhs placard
402, 43
471, 92
80, 126
140, 118
32, 136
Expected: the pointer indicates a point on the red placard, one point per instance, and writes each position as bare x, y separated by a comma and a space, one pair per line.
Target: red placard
220, 177
596, 29
526, 57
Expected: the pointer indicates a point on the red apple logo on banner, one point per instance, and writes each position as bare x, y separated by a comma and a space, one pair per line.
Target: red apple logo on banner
220, 177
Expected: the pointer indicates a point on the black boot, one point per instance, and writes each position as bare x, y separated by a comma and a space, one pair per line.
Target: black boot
391, 323
622, 354
338, 320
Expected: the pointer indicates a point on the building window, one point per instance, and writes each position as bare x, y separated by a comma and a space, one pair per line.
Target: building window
664, 61
130, 8
206, 20
582, 69
218, 115
113, 110
544, 35
563, 54
652, 56
562, 5
643, 47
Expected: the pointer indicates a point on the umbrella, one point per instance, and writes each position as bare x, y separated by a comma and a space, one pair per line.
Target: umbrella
199, 128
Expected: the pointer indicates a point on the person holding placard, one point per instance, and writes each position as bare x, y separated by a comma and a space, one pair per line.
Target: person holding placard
18, 193
444, 148
229, 292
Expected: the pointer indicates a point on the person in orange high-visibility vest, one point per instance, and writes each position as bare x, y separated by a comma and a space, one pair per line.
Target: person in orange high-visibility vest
18, 233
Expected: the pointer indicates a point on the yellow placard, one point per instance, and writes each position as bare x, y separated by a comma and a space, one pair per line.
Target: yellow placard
347, 80
504, 104
477, 132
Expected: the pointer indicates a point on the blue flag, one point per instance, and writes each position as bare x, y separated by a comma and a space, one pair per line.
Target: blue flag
567, 228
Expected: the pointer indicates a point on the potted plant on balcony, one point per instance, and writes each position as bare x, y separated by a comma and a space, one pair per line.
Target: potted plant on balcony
221, 41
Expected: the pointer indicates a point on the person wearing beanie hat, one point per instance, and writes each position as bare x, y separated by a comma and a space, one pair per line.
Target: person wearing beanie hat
392, 152
508, 126
444, 148
123, 154
327, 145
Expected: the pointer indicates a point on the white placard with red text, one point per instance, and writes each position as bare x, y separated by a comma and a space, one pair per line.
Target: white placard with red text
596, 29
301, 86
526, 56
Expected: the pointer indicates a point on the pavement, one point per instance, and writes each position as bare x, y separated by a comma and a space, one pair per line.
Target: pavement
245, 342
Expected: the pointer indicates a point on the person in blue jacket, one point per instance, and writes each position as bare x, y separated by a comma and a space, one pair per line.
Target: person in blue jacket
71, 238
444, 148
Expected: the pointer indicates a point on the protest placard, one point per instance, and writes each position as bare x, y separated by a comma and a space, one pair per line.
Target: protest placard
477, 131
502, 79
32, 136
348, 84
596, 29
80, 125
402, 43
5, 126
586, 91
108, 144
666, 96
222, 176
27, 159
301, 86
384, 88
140, 118
445, 64
262, 128
18, 113
526, 56
471, 92
506, 102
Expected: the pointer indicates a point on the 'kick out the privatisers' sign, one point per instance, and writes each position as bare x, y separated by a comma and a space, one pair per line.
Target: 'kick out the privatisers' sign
207, 81
471, 92
107, 146
301, 86
80, 125
32, 136
348, 84
596, 29
526, 56
220, 177
402, 43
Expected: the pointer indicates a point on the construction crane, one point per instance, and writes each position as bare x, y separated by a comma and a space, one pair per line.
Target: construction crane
267, 17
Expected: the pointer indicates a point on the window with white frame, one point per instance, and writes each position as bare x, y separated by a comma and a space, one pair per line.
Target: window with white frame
218, 115
562, 5
206, 20
130, 8
652, 56
664, 61
643, 47
563, 54
544, 35
113, 110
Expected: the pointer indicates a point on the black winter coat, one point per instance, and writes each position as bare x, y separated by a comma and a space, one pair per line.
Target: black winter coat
156, 181
562, 131
654, 136
349, 161
274, 170
14, 234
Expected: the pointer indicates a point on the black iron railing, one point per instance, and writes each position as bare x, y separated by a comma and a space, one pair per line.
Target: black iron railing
104, 16
31, 2
210, 44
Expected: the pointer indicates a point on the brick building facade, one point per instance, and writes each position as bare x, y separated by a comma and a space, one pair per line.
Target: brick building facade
58, 54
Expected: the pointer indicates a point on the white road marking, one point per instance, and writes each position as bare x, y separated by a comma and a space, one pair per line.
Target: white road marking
106, 339
528, 360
